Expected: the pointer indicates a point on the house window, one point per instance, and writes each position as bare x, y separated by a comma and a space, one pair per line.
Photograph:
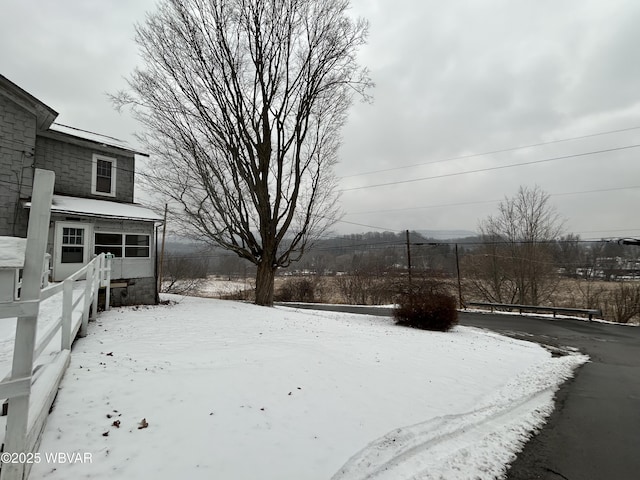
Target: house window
103, 180
72, 245
108, 243
136, 246
127, 245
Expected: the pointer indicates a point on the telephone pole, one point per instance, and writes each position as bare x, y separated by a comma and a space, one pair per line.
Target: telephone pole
459, 281
408, 257
164, 233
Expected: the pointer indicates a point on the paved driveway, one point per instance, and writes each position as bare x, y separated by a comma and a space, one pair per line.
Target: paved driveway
594, 432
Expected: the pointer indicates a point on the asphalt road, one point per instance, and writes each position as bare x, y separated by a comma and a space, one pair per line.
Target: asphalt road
594, 432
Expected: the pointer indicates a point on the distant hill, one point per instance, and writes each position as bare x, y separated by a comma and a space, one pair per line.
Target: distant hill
446, 234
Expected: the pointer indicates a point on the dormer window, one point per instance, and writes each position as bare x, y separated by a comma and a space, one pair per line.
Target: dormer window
103, 178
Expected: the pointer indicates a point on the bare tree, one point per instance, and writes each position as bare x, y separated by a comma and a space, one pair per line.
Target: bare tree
243, 101
623, 303
183, 273
517, 264
569, 254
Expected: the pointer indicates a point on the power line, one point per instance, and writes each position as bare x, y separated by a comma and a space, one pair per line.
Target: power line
4, 142
10, 182
615, 230
406, 209
488, 169
120, 168
460, 157
370, 226
388, 229
153, 177
600, 190
480, 202
19, 150
503, 150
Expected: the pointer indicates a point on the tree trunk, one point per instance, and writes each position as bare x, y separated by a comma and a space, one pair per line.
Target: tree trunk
264, 283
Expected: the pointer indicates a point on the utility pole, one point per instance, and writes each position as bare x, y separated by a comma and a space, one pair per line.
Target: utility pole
164, 233
408, 257
459, 281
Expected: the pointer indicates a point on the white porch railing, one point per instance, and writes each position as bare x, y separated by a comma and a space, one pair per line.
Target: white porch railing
46, 271
30, 393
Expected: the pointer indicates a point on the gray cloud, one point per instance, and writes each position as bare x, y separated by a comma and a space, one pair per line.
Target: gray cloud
468, 77
453, 78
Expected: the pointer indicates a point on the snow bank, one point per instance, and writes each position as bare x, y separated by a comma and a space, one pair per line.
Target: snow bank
12, 252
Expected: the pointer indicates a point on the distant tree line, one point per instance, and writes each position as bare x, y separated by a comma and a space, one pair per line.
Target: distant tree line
520, 256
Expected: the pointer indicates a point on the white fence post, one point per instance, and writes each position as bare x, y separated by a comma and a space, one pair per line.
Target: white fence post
97, 274
107, 296
67, 314
87, 300
37, 236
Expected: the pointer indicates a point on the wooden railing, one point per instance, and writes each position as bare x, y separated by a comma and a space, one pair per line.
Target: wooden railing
46, 271
30, 392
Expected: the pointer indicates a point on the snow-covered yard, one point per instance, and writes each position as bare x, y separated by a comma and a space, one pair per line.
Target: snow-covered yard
215, 287
235, 391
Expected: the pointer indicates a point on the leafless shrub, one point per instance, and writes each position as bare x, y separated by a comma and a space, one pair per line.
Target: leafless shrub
247, 295
426, 303
623, 303
353, 288
590, 294
183, 274
364, 288
298, 290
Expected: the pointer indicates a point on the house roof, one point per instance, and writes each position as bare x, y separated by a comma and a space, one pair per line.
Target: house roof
45, 115
90, 207
83, 136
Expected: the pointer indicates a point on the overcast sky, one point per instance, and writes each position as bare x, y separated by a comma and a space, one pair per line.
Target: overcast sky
453, 79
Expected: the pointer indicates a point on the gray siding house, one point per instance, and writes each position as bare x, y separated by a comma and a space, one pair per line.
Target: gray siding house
92, 209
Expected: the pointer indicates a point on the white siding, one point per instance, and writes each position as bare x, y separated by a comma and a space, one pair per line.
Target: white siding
121, 268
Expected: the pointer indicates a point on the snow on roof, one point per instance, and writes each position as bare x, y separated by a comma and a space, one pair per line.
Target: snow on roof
100, 208
94, 137
12, 252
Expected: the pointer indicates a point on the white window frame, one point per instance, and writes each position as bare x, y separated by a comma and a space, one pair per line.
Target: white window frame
63, 270
94, 175
123, 245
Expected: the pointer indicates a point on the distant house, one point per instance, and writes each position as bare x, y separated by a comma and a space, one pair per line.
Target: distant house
92, 210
